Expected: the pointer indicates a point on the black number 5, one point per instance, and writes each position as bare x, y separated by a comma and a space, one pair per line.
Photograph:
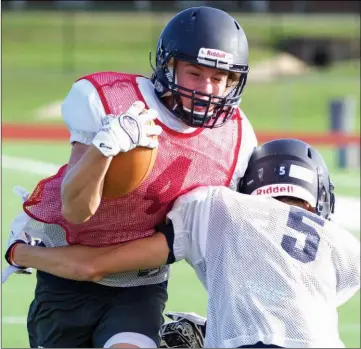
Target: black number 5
295, 221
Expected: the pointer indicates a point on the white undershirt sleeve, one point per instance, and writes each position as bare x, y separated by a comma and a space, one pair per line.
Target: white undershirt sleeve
83, 112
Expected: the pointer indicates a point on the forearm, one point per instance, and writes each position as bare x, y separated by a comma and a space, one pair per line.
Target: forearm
71, 262
85, 263
146, 253
82, 187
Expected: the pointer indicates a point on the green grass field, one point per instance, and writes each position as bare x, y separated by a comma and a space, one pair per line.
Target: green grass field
185, 291
40, 62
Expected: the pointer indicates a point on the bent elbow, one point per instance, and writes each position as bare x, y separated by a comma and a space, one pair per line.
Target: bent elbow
92, 273
96, 278
73, 215
85, 272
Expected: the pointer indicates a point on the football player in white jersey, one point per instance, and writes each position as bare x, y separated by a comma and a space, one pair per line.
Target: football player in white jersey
204, 139
274, 265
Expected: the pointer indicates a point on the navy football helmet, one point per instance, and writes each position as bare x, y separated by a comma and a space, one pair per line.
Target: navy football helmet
209, 37
290, 167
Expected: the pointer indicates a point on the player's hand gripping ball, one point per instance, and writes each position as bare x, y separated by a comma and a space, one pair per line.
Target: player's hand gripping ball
132, 140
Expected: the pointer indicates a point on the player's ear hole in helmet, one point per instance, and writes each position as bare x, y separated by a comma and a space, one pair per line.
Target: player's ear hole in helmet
291, 168
207, 37
291, 200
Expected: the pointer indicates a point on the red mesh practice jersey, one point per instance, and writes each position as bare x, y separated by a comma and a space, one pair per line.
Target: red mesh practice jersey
184, 161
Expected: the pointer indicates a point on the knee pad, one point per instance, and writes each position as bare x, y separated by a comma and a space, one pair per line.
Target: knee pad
138, 339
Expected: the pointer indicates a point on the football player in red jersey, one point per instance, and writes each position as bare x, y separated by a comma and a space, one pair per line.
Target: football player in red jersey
204, 139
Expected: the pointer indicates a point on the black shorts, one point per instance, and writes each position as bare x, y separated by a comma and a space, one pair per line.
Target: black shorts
73, 314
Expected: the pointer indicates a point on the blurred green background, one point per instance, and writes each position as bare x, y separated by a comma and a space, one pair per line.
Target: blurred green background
44, 52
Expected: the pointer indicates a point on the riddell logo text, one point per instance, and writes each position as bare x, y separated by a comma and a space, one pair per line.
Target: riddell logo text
286, 189
217, 54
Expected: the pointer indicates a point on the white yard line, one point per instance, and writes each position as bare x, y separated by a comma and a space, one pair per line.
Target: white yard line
13, 320
347, 213
29, 165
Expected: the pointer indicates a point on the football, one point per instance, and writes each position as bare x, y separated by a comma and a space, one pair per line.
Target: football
127, 171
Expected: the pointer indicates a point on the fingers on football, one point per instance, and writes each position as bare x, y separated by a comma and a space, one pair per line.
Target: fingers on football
136, 108
149, 143
152, 130
153, 143
148, 115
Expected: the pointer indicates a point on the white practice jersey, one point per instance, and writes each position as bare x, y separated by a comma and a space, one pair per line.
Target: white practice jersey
274, 273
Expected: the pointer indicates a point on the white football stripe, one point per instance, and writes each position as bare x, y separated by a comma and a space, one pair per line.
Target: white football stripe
302, 173
29, 165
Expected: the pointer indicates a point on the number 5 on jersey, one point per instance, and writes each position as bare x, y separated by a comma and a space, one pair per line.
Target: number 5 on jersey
296, 222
